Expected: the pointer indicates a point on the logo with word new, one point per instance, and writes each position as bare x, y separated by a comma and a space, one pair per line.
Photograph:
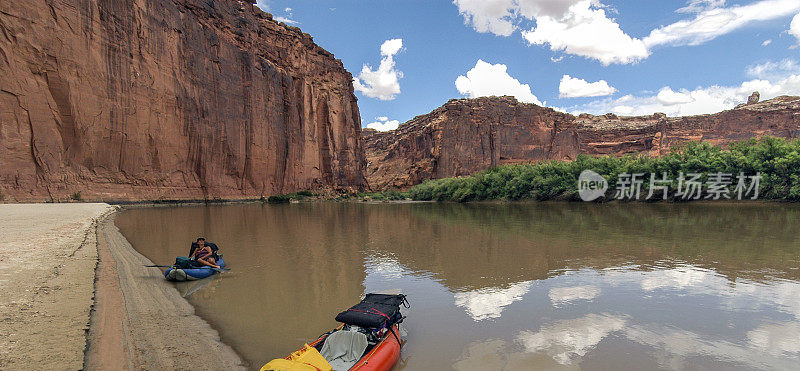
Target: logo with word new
591, 185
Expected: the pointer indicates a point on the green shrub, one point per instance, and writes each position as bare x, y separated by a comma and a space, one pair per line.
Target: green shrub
777, 159
76, 196
278, 199
285, 198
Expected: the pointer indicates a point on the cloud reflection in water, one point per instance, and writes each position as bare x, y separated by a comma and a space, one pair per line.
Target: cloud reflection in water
560, 296
765, 342
567, 340
489, 302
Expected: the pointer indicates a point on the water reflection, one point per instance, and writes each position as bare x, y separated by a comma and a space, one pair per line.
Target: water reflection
561, 296
567, 340
489, 302
777, 339
496, 286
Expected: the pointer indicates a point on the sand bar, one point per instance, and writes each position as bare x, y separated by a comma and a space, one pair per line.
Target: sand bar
141, 321
48, 257
76, 295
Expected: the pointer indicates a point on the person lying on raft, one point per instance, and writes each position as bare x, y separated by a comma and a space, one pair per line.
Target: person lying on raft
203, 254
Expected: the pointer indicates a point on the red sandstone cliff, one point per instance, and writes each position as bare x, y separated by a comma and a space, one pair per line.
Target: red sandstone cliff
160, 99
469, 135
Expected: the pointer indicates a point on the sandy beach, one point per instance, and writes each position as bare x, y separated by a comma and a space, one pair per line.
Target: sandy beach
77, 296
47, 270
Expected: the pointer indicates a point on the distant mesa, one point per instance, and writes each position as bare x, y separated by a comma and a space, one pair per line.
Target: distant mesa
465, 136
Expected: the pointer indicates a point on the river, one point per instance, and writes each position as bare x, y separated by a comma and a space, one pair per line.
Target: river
503, 286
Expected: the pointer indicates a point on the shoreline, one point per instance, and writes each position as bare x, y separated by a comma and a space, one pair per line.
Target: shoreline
140, 321
47, 272
77, 296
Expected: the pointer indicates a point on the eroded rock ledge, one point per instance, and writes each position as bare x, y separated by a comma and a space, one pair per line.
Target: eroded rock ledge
465, 136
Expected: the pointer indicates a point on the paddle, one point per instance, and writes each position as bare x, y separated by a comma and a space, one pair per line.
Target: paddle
169, 266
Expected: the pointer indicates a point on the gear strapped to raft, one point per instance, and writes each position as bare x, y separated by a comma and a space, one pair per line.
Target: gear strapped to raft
182, 262
362, 342
376, 314
375, 311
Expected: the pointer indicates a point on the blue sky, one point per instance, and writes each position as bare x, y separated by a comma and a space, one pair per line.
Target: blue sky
596, 56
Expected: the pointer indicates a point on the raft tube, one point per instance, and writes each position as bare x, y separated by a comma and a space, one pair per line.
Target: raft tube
175, 274
381, 357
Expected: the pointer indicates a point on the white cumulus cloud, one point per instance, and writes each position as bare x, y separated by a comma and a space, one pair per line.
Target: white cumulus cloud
495, 16
383, 123
794, 27
623, 110
578, 27
668, 97
487, 79
772, 79
532, 9
716, 21
391, 47
571, 87
586, 31
383, 83
584, 27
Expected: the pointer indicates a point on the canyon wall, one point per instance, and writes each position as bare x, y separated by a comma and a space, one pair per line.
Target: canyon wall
169, 99
465, 136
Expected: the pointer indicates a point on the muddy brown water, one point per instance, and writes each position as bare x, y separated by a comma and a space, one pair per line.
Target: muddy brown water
504, 286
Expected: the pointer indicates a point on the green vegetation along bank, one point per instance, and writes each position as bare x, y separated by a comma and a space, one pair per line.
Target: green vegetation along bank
776, 160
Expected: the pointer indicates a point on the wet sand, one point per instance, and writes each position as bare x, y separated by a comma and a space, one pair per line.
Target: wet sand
141, 321
77, 296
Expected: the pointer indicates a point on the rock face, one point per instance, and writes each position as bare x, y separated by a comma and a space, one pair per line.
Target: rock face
469, 135
462, 137
753, 99
169, 99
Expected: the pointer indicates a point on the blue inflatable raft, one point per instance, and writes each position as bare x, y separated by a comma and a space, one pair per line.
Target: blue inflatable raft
177, 274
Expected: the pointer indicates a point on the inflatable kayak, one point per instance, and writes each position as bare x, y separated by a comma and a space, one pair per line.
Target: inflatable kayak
369, 339
191, 274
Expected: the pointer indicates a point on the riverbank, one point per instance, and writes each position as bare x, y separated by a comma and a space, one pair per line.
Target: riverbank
141, 321
77, 296
47, 269
765, 168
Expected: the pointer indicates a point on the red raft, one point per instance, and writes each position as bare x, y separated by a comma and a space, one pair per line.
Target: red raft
383, 356
368, 340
